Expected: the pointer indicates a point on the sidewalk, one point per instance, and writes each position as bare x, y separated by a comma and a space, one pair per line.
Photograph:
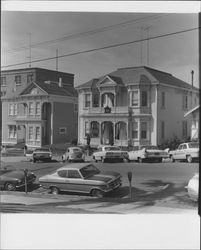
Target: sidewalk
86, 204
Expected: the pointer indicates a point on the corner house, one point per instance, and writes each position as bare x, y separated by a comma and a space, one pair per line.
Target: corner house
134, 106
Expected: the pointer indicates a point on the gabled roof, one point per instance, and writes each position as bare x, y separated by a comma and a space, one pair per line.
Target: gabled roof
52, 89
130, 75
88, 84
192, 110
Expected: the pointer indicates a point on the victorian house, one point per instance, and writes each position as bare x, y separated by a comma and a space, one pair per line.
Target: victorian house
39, 111
134, 106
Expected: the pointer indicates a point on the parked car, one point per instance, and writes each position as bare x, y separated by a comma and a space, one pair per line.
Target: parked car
81, 178
106, 153
73, 154
147, 153
188, 151
42, 154
193, 186
11, 179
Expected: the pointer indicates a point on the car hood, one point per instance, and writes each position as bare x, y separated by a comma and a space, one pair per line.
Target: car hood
104, 176
155, 151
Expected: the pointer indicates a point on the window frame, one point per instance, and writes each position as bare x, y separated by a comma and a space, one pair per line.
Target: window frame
135, 130
18, 80
31, 108
10, 131
37, 127
142, 130
3, 81
62, 132
31, 76
87, 103
142, 98
132, 99
163, 100
31, 138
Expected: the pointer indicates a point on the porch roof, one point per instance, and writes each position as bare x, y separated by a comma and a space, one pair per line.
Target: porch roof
192, 110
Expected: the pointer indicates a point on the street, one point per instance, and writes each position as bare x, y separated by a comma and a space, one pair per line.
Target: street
154, 185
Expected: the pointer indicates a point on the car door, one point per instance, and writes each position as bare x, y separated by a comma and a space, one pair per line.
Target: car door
179, 152
184, 152
61, 180
76, 181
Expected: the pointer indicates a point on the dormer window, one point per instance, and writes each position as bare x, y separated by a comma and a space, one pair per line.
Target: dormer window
29, 78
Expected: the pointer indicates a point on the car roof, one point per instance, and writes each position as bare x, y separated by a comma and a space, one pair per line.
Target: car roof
75, 166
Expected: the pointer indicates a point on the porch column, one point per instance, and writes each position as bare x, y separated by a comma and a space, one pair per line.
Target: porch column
127, 128
114, 132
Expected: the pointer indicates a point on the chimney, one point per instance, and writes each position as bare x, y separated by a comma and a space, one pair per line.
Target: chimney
60, 82
192, 73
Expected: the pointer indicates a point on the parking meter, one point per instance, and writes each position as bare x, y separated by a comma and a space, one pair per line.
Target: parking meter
130, 187
25, 179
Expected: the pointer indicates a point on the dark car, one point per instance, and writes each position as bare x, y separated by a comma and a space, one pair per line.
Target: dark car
42, 154
11, 178
81, 178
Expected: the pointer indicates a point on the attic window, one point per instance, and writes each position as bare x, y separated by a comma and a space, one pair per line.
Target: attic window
34, 91
62, 130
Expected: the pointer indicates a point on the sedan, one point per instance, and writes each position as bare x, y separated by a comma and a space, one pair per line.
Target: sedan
193, 186
73, 154
11, 179
81, 178
42, 154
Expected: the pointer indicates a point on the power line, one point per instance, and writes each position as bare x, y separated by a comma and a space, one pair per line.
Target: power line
105, 47
82, 34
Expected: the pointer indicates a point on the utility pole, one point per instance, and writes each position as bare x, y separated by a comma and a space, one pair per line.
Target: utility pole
29, 49
57, 60
147, 29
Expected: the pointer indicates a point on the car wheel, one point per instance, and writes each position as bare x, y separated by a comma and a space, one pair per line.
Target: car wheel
10, 186
54, 190
97, 193
172, 159
189, 158
140, 160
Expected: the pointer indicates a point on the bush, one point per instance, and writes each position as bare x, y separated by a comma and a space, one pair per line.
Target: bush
171, 144
74, 142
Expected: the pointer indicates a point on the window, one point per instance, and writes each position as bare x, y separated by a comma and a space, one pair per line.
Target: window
184, 129
143, 130
62, 130
18, 80
162, 129
15, 109
31, 108
62, 173
87, 100
135, 130
11, 109
3, 93
94, 129
38, 108
3, 81
87, 130
144, 98
95, 98
134, 98
73, 174
31, 136
37, 133
163, 100
12, 132
29, 78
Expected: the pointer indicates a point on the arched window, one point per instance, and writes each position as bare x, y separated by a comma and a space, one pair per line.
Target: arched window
120, 131
94, 129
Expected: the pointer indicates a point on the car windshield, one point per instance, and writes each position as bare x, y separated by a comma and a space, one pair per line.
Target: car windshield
149, 147
193, 145
112, 148
75, 150
42, 150
89, 170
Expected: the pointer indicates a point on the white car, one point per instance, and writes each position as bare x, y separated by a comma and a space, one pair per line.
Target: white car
188, 151
108, 153
146, 153
73, 154
193, 186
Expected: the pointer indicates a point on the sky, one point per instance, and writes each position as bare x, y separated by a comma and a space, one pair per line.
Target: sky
81, 31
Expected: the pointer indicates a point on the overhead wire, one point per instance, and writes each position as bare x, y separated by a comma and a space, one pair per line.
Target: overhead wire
105, 47
84, 34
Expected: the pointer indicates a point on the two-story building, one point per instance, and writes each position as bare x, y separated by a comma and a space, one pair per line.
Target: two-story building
134, 106
41, 112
